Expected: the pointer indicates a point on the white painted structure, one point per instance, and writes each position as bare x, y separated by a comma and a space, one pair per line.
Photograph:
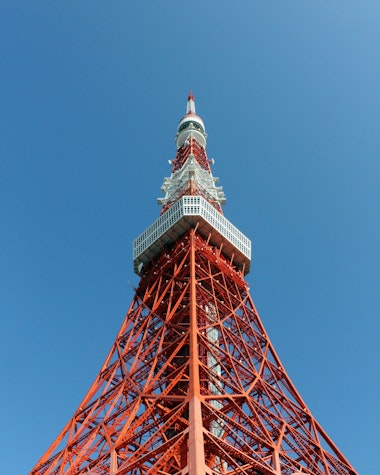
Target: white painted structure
201, 178
184, 214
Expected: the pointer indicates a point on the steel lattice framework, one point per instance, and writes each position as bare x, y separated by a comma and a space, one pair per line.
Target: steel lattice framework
192, 384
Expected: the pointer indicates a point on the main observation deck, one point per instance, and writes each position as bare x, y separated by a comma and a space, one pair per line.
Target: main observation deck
183, 215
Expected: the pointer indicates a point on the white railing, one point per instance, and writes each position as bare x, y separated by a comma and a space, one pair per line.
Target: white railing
178, 218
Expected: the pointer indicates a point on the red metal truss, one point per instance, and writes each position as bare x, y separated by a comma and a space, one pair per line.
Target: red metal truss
192, 385
191, 147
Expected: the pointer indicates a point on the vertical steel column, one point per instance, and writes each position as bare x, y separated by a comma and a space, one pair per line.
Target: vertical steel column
196, 461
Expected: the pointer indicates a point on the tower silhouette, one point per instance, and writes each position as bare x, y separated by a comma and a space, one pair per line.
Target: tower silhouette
192, 384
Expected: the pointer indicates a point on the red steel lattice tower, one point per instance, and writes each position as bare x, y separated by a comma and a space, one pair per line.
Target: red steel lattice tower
192, 384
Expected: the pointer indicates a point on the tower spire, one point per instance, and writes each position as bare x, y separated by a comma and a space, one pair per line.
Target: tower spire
191, 168
192, 384
191, 125
190, 104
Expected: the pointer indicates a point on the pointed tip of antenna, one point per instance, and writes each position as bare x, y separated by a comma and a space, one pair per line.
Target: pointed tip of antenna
190, 104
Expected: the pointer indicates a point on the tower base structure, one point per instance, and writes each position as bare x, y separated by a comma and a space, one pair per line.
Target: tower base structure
193, 385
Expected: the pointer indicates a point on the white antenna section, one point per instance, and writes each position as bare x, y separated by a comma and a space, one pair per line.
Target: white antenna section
202, 179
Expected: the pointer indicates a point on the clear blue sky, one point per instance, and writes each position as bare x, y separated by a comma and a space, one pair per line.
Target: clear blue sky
90, 96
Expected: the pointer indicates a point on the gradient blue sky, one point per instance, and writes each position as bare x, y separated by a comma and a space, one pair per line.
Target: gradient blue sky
90, 95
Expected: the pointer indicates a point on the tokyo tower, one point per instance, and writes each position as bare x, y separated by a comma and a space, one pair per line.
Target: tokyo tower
192, 384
